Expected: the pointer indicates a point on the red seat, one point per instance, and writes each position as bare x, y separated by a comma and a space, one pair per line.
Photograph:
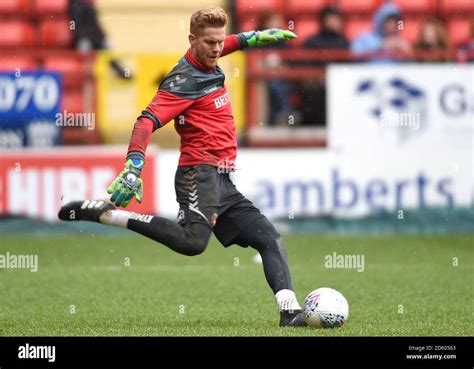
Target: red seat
304, 28
55, 33
73, 101
48, 7
459, 30
71, 67
245, 8
16, 34
459, 7
416, 6
14, 7
304, 7
249, 24
411, 29
17, 62
355, 27
358, 6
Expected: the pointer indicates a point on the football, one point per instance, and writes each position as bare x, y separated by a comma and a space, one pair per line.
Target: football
325, 308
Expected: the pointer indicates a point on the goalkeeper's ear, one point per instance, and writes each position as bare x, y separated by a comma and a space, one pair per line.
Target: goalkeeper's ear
192, 39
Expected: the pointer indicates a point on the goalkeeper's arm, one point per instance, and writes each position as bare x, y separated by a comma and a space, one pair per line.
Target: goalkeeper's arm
164, 107
128, 184
264, 37
245, 40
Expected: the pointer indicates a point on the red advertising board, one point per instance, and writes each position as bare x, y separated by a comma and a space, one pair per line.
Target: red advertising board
36, 182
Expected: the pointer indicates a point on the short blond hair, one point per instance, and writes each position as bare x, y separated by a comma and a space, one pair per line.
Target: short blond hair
211, 16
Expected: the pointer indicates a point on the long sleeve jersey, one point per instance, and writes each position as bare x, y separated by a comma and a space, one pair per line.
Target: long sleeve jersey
197, 99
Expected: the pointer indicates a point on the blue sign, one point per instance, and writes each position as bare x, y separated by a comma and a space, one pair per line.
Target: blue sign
29, 103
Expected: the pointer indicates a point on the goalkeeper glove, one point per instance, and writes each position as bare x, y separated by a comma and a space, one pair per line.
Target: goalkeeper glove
267, 37
128, 184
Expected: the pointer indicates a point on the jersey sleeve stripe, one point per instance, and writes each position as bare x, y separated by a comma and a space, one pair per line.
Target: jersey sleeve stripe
156, 122
136, 155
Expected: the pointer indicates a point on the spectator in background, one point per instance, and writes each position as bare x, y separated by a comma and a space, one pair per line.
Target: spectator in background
466, 49
385, 40
433, 37
330, 36
278, 90
89, 35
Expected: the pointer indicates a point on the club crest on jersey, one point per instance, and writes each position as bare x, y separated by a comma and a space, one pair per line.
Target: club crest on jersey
222, 100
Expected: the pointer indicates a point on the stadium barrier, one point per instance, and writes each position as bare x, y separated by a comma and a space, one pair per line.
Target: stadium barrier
35, 182
325, 192
297, 66
430, 221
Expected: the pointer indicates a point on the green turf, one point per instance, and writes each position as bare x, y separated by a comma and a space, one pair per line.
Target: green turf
409, 287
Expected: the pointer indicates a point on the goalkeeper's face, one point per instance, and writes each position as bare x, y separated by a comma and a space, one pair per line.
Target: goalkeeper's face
207, 46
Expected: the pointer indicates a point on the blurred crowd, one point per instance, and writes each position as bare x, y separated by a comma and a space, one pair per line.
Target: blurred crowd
428, 31
384, 43
89, 33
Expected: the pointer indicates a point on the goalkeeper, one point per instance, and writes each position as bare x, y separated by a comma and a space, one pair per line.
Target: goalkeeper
195, 96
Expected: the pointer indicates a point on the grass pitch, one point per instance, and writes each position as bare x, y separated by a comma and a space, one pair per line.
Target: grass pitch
127, 285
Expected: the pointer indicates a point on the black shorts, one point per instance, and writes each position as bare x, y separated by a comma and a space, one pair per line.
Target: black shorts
207, 195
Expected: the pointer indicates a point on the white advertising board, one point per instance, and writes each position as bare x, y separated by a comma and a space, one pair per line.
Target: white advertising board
285, 183
375, 108
282, 183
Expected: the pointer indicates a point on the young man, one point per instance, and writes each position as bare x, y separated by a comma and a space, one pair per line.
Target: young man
194, 94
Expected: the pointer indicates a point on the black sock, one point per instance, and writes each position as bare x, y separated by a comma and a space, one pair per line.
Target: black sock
262, 236
187, 239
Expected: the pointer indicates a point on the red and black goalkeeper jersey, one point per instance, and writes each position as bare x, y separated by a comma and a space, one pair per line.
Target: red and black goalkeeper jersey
197, 99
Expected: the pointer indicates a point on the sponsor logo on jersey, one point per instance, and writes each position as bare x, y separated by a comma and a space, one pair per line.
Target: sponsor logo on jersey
222, 100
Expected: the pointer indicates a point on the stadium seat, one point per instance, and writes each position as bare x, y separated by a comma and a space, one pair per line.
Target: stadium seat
416, 6
11, 63
295, 8
411, 29
80, 136
245, 8
73, 101
459, 30
248, 24
355, 27
358, 7
55, 33
304, 28
49, 7
458, 7
14, 7
71, 67
16, 34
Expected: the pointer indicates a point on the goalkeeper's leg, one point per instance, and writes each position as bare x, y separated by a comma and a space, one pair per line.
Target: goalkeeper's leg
198, 198
262, 236
187, 239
